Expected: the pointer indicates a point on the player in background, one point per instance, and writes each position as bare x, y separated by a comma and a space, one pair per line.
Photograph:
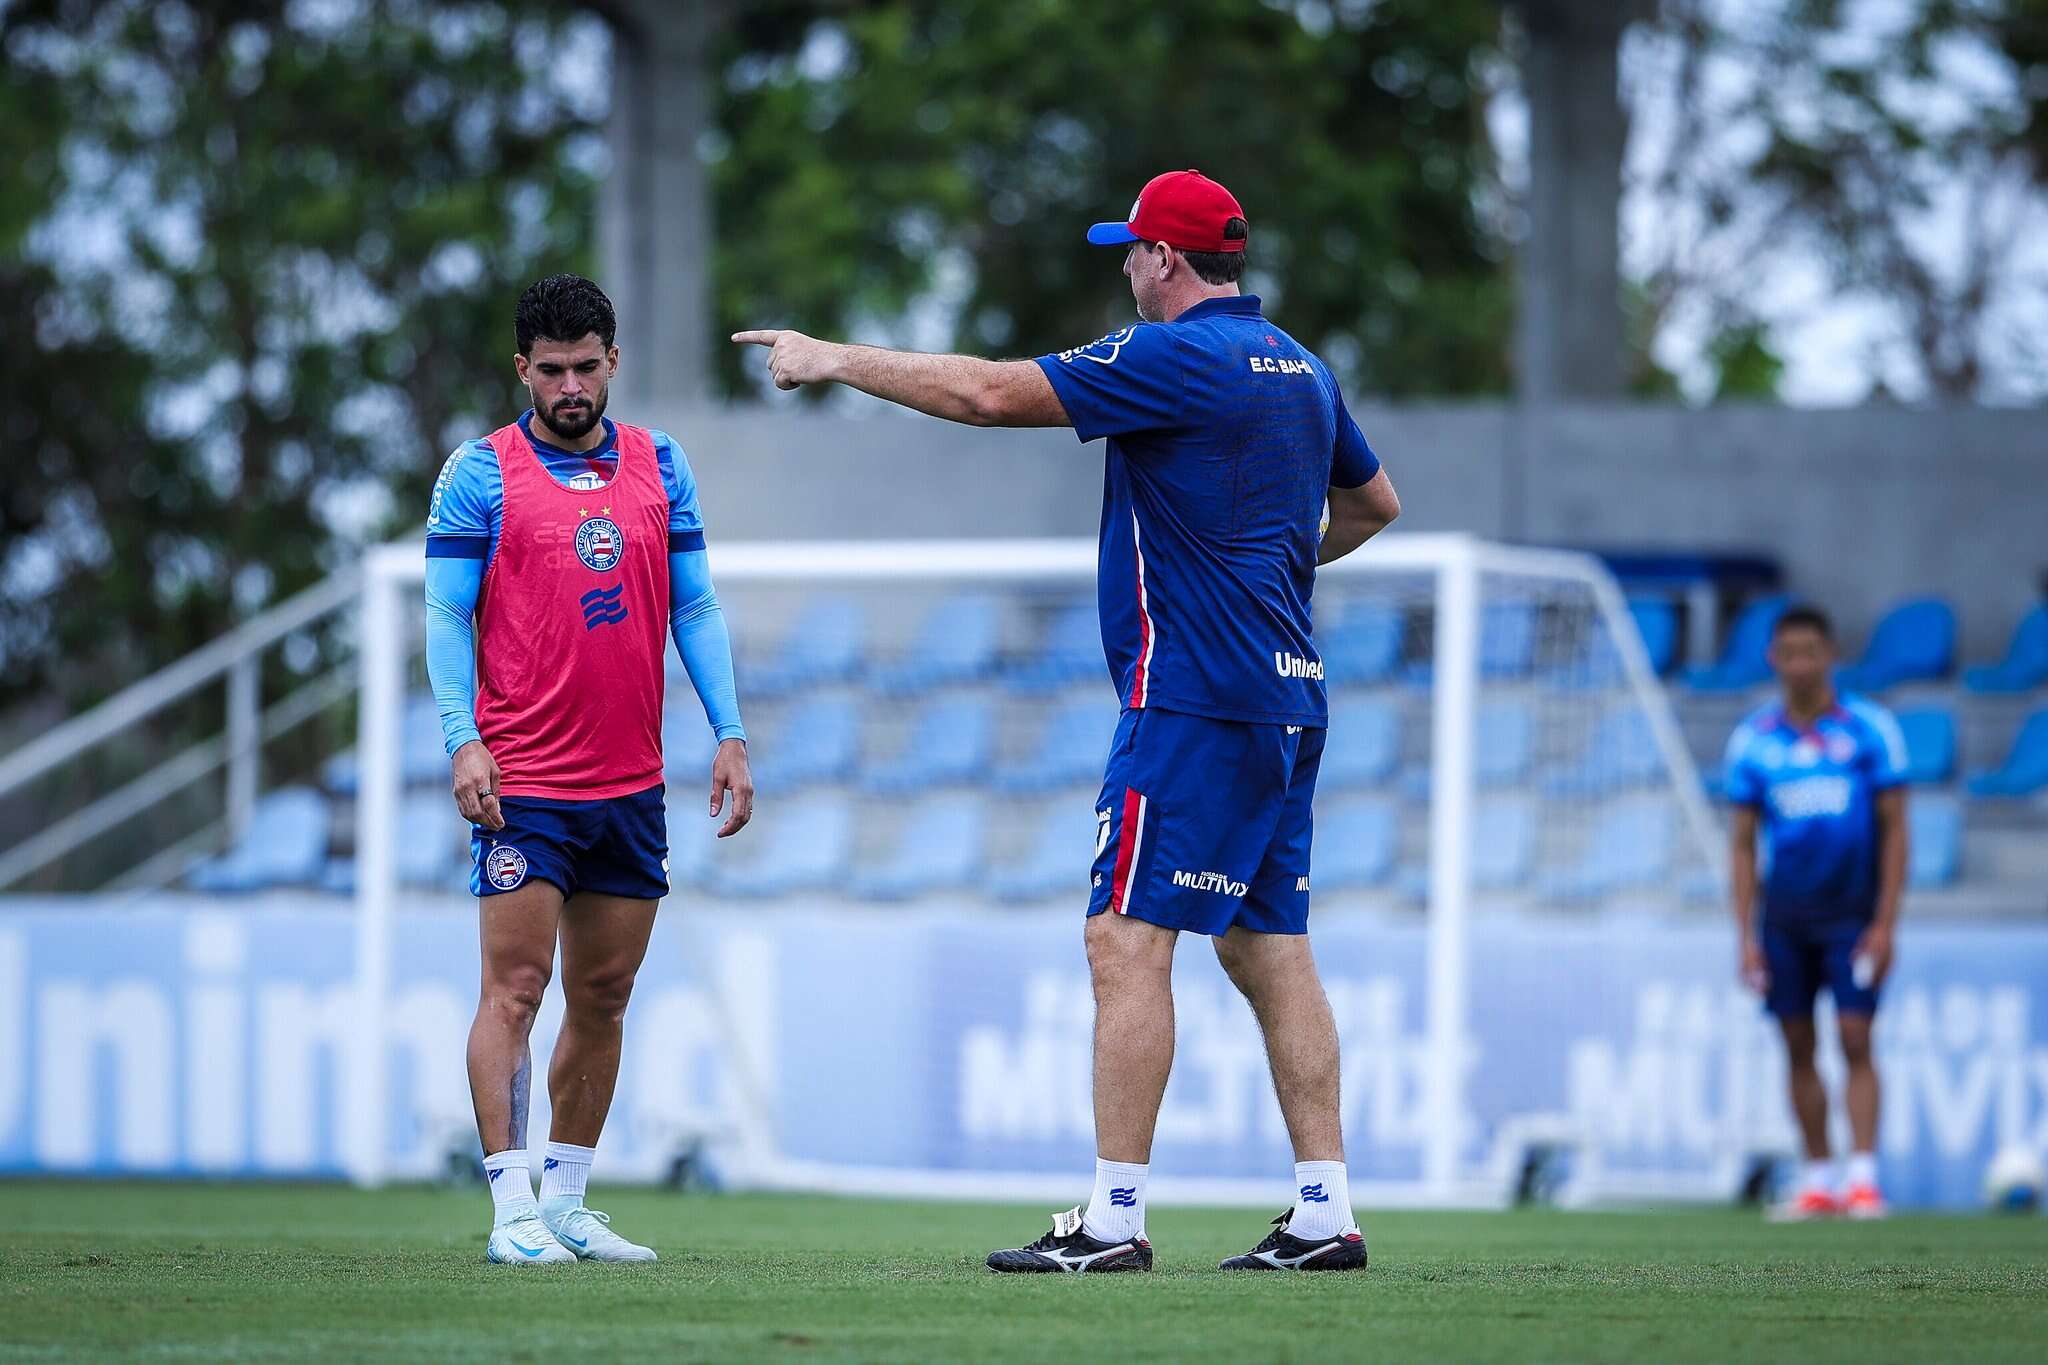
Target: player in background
1225, 437
562, 550
1822, 776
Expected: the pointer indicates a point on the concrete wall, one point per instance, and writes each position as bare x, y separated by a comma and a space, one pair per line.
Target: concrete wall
1862, 506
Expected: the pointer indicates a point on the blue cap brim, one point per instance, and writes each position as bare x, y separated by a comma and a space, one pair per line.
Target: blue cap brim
1111, 234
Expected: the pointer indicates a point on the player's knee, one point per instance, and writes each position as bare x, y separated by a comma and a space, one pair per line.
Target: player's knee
1119, 949
1856, 1041
516, 991
601, 994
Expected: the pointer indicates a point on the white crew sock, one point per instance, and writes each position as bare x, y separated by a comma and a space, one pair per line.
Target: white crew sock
1862, 1169
565, 1172
1322, 1200
1116, 1211
1817, 1175
511, 1182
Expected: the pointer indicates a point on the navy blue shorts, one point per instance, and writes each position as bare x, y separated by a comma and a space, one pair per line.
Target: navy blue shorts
1803, 957
1203, 824
615, 847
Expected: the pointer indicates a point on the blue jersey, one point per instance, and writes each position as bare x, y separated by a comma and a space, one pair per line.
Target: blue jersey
1816, 790
1224, 437
468, 504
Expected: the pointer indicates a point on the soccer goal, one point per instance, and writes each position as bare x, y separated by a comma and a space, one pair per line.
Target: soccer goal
886, 987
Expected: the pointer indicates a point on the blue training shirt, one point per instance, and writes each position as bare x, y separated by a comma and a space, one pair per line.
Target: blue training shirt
1816, 790
1224, 437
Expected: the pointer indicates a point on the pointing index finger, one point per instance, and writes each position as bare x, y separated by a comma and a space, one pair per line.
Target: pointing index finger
758, 337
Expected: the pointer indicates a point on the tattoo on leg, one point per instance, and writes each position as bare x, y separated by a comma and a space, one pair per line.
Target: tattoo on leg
522, 1083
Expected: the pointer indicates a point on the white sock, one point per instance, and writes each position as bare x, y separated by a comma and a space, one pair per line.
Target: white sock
1322, 1200
565, 1172
511, 1182
1862, 1169
1116, 1211
1818, 1174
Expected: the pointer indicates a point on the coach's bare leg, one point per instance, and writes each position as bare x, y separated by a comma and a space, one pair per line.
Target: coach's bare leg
1809, 1096
1861, 1088
518, 933
604, 939
1277, 974
1131, 964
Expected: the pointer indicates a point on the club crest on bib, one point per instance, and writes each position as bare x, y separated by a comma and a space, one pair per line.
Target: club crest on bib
599, 544
505, 867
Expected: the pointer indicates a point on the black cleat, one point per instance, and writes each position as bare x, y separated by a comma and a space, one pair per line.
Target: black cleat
1067, 1247
1282, 1250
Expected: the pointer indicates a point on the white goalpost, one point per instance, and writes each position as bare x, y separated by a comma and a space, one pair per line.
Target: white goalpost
1489, 652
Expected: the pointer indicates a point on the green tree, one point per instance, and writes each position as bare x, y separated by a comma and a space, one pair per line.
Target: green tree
950, 151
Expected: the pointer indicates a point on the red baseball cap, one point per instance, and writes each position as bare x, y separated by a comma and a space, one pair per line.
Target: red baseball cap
1183, 209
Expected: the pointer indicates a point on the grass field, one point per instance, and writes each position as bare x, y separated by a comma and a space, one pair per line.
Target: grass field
95, 1271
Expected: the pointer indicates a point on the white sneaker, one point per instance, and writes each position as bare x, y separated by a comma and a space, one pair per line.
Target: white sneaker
524, 1239
587, 1233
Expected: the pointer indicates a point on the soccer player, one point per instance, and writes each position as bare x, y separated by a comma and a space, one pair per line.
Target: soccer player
1822, 775
1225, 437
561, 549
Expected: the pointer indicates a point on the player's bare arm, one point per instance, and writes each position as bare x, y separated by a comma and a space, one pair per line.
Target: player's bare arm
1875, 946
1357, 515
959, 388
1742, 824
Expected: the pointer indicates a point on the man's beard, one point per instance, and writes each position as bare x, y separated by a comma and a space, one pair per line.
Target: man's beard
573, 419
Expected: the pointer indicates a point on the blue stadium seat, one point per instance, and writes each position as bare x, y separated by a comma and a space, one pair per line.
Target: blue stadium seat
1503, 848
1056, 863
1363, 746
1914, 642
2025, 665
1629, 847
1599, 663
952, 742
1502, 748
1362, 645
1936, 841
431, 851
423, 755
1742, 664
940, 848
1070, 652
818, 742
1507, 643
1356, 843
956, 643
1930, 734
2025, 770
687, 744
825, 643
284, 845
692, 840
1070, 748
807, 847
1622, 752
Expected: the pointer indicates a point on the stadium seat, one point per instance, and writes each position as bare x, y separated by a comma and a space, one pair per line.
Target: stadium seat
431, 851
1742, 664
1930, 734
692, 840
1503, 848
1356, 843
1363, 745
939, 848
1628, 847
806, 848
1914, 642
1363, 645
1507, 643
2025, 665
1070, 652
1622, 752
1503, 748
952, 742
956, 643
2025, 770
1599, 663
824, 644
284, 845
1056, 864
423, 755
1936, 841
687, 744
818, 742
1070, 748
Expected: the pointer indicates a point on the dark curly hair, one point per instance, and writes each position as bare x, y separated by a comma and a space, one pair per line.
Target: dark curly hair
563, 308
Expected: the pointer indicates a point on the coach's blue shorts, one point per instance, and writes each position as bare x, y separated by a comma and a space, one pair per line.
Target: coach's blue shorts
1203, 824
1804, 956
615, 847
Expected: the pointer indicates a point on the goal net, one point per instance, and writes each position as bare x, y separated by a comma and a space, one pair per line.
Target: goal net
879, 985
